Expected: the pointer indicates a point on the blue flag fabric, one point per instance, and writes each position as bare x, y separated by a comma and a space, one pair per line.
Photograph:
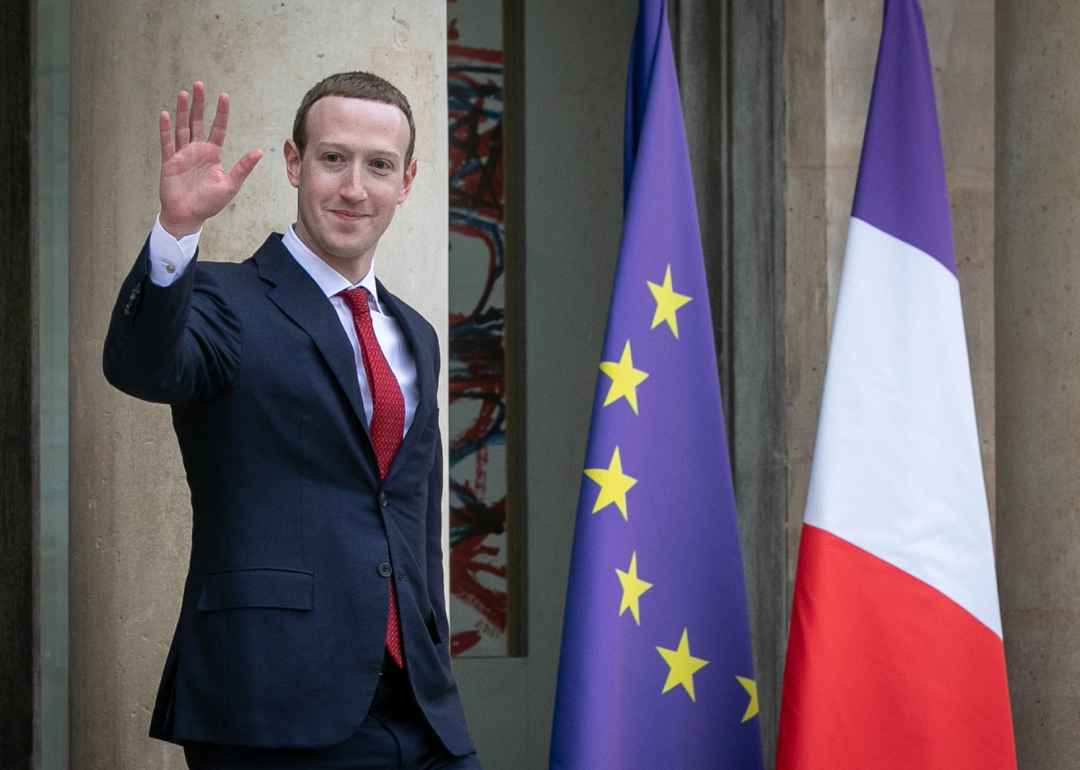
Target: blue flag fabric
656, 669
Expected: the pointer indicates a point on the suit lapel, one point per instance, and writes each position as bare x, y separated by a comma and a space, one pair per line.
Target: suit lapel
427, 384
298, 296
301, 299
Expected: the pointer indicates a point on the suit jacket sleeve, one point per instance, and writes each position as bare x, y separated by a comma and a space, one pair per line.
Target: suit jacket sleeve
434, 537
177, 344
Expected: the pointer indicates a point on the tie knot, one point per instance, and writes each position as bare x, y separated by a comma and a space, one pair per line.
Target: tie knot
357, 300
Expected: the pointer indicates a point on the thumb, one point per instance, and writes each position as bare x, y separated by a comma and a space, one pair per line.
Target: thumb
244, 167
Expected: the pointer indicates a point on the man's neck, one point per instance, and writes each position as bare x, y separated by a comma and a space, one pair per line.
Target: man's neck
352, 270
326, 274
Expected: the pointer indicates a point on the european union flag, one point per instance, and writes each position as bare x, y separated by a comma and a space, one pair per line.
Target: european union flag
656, 670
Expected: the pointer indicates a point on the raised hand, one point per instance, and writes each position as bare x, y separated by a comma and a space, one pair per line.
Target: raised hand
194, 186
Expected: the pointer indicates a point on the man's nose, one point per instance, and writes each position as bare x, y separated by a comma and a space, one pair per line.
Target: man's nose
353, 186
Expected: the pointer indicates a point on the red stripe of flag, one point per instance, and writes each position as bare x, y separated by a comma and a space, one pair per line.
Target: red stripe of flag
886, 672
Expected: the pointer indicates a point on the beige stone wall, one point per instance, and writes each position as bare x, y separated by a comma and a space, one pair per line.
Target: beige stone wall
129, 502
831, 50
1038, 374
808, 299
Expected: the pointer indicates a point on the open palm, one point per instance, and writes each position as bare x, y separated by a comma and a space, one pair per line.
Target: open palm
194, 186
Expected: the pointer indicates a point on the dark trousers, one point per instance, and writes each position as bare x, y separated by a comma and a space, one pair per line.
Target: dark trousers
395, 736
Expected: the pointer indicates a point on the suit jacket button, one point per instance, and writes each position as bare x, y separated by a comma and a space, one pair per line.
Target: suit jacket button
383, 501
385, 570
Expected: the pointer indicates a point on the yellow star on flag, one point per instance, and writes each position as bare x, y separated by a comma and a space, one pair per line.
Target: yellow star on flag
751, 687
667, 302
632, 589
683, 666
614, 484
624, 379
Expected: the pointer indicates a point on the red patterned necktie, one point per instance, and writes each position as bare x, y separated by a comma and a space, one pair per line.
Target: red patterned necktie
387, 425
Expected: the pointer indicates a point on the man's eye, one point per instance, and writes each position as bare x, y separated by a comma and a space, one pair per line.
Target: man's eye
382, 165
332, 157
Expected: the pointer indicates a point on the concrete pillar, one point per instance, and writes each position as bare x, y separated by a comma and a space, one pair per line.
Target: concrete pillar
130, 513
732, 99
1038, 372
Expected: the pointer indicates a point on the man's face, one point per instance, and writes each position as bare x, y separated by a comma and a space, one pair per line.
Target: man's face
351, 177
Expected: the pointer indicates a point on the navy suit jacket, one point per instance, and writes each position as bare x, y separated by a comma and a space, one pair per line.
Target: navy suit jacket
283, 623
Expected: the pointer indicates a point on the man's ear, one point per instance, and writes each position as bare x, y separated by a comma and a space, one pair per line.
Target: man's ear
410, 174
292, 162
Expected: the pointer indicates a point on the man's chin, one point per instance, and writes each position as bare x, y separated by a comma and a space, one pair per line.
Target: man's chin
349, 243
342, 252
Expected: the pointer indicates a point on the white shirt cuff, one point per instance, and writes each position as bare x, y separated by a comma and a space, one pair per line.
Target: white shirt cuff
170, 257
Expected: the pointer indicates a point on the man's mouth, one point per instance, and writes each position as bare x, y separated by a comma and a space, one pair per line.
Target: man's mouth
348, 216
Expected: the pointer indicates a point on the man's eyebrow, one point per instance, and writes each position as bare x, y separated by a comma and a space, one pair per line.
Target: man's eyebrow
325, 145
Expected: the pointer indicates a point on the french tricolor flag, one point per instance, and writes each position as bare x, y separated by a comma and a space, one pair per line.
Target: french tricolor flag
895, 658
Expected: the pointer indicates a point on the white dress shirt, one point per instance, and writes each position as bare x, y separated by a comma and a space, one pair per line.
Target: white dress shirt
170, 257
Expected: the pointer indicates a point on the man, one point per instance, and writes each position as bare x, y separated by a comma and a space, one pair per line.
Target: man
313, 628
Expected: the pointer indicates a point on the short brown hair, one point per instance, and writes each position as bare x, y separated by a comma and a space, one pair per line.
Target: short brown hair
354, 85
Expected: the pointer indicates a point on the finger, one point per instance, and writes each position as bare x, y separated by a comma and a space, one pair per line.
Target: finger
221, 121
198, 111
243, 167
183, 125
165, 128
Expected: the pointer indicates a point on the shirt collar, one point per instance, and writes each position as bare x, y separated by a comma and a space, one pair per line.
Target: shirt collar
329, 280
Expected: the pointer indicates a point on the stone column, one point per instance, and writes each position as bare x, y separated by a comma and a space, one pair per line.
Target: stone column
1038, 372
130, 513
